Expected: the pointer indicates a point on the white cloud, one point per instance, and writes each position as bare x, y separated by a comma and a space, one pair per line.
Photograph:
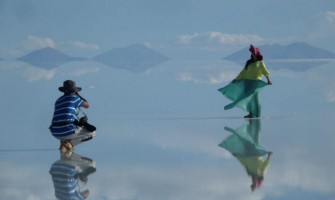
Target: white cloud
219, 38
321, 29
17, 183
324, 22
32, 74
34, 42
77, 70
10, 52
331, 95
222, 77
83, 45
29, 72
329, 17
176, 182
187, 76
35, 74
30, 43
148, 44
85, 70
209, 78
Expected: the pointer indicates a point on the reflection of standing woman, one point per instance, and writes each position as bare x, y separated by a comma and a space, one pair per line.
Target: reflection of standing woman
244, 145
243, 90
255, 167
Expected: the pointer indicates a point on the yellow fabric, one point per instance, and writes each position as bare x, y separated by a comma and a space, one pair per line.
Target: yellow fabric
254, 165
254, 71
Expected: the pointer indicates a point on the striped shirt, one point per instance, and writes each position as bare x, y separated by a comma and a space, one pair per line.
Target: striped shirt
66, 182
66, 111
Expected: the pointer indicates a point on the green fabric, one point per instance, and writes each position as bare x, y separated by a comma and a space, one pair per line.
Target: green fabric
244, 140
244, 94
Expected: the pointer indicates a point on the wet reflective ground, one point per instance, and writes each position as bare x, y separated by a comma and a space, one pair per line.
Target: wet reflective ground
167, 145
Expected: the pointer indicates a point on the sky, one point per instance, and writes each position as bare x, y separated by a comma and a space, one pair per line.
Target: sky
176, 28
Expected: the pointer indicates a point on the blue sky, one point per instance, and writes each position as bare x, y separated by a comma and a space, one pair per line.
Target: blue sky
174, 27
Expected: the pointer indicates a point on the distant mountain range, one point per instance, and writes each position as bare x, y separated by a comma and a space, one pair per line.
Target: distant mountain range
136, 57
48, 58
139, 57
296, 56
292, 51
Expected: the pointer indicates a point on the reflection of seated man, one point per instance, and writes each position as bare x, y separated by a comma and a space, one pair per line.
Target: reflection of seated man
68, 172
256, 168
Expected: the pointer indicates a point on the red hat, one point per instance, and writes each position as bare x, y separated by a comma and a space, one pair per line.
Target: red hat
257, 184
255, 51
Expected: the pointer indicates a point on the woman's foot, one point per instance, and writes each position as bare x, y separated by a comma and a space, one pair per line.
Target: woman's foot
248, 116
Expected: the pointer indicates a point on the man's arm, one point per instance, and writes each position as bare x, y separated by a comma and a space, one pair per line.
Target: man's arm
85, 104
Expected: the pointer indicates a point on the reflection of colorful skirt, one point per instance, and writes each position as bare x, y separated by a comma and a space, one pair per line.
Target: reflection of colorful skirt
244, 94
244, 141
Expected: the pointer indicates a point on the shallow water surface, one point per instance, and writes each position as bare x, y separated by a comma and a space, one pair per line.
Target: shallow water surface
166, 144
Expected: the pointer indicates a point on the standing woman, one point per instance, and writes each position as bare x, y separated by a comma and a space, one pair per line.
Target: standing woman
243, 90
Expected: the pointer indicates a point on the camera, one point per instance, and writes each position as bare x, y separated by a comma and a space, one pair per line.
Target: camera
83, 121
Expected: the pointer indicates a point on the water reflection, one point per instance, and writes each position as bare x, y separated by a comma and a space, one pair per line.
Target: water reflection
70, 175
244, 145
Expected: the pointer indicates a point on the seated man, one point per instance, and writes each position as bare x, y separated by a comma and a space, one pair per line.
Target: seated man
66, 125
